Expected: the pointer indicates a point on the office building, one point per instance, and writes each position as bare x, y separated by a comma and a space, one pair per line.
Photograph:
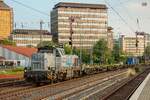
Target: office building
133, 46
85, 24
30, 38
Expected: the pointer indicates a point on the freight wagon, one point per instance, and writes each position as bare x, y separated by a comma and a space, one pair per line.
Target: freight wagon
132, 61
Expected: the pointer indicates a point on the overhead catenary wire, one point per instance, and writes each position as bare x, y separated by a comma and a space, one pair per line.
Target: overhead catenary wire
33, 9
133, 18
120, 17
29, 7
123, 2
127, 12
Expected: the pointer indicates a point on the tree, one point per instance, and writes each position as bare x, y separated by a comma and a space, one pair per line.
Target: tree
147, 51
7, 42
118, 54
85, 56
47, 44
123, 57
116, 51
84, 53
101, 53
67, 49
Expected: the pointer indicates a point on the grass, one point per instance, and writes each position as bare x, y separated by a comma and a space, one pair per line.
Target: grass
14, 71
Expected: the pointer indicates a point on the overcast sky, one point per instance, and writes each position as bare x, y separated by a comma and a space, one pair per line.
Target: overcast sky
129, 10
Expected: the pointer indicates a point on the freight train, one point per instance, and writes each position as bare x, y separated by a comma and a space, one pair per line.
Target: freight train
52, 64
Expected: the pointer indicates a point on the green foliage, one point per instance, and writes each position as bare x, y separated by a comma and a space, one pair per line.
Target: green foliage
101, 53
46, 44
18, 69
117, 54
12, 71
84, 53
85, 56
7, 42
147, 51
67, 49
137, 69
123, 57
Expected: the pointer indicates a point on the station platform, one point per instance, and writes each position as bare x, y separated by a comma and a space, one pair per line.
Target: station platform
143, 91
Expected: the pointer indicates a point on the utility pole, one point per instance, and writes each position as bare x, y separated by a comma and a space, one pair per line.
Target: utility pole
119, 44
80, 51
144, 47
138, 24
71, 19
144, 35
15, 25
22, 26
41, 28
136, 43
91, 50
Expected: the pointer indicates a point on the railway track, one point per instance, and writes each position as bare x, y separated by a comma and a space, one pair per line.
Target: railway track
9, 80
124, 91
84, 91
15, 85
54, 89
75, 89
11, 85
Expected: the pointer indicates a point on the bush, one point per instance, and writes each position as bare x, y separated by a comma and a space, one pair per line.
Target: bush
137, 69
18, 69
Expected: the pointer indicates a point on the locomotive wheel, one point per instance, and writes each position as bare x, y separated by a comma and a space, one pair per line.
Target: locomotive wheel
61, 76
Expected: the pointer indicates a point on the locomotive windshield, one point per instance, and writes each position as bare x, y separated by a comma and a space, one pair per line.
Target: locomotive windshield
60, 51
57, 53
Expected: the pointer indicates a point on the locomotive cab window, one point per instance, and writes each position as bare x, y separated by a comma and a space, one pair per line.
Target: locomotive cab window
57, 53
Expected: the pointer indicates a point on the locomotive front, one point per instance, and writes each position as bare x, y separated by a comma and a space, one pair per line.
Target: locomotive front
42, 66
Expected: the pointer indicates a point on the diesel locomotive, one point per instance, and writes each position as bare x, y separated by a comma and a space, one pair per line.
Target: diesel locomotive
52, 64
